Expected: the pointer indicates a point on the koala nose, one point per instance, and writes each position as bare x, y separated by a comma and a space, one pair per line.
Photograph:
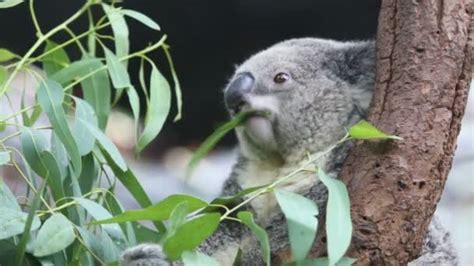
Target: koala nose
237, 90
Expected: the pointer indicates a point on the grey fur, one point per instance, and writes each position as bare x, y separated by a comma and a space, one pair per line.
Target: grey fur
330, 88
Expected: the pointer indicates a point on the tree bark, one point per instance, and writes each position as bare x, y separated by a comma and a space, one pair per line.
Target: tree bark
424, 57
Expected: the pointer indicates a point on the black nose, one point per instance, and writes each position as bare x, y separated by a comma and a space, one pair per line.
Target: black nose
237, 90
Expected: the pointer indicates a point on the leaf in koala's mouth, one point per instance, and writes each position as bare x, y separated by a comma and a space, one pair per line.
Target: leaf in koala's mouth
216, 136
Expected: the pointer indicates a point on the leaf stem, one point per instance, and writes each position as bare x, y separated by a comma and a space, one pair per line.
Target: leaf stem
35, 20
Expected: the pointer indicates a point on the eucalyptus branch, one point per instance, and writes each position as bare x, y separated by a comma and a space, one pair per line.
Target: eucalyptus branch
271, 186
40, 41
136, 54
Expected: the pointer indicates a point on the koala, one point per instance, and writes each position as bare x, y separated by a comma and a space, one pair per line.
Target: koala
311, 90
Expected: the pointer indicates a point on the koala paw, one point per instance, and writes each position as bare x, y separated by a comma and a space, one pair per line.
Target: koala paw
144, 255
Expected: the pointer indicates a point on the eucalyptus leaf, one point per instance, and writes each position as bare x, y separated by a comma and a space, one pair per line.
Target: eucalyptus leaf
214, 138
56, 234
247, 218
59, 152
101, 244
7, 199
157, 109
177, 86
6, 55
33, 145
120, 30
76, 70
134, 101
300, 214
118, 72
12, 222
365, 130
90, 173
50, 96
191, 234
338, 217
121, 38
97, 91
3, 75
177, 218
56, 60
158, 212
194, 258
98, 212
113, 204
4, 158
104, 141
142, 18
84, 137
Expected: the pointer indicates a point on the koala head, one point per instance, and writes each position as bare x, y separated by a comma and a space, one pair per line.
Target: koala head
311, 89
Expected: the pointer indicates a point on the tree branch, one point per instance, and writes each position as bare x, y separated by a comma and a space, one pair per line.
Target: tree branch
424, 57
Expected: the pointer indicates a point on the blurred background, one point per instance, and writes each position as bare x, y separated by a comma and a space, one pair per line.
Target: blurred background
208, 39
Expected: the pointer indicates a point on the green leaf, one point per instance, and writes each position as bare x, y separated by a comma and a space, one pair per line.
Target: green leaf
177, 218
28, 225
12, 222
191, 234
33, 145
122, 43
338, 217
97, 91
247, 218
90, 173
115, 207
4, 158
10, 3
50, 96
300, 214
76, 70
84, 138
365, 130
101, 244
6, 55
214, 138
56, 234
54, 61
59, 152
118, 72
142, 18
145, 234
7, 199
100, 213
177, 86
135, 105
158, 212
157, 109
106, 144
120, 30
3, 75
194, 258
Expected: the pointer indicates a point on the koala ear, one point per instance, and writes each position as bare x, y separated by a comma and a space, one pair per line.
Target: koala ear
355, 65
358, 61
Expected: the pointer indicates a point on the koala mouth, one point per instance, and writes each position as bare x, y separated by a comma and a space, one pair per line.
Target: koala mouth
257, 128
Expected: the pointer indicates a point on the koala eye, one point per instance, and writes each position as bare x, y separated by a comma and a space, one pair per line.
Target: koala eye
281, 78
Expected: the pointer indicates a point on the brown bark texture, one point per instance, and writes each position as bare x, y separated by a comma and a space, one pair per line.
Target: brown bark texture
424, 57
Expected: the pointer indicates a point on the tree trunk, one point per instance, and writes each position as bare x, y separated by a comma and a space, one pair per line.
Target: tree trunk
424, 57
